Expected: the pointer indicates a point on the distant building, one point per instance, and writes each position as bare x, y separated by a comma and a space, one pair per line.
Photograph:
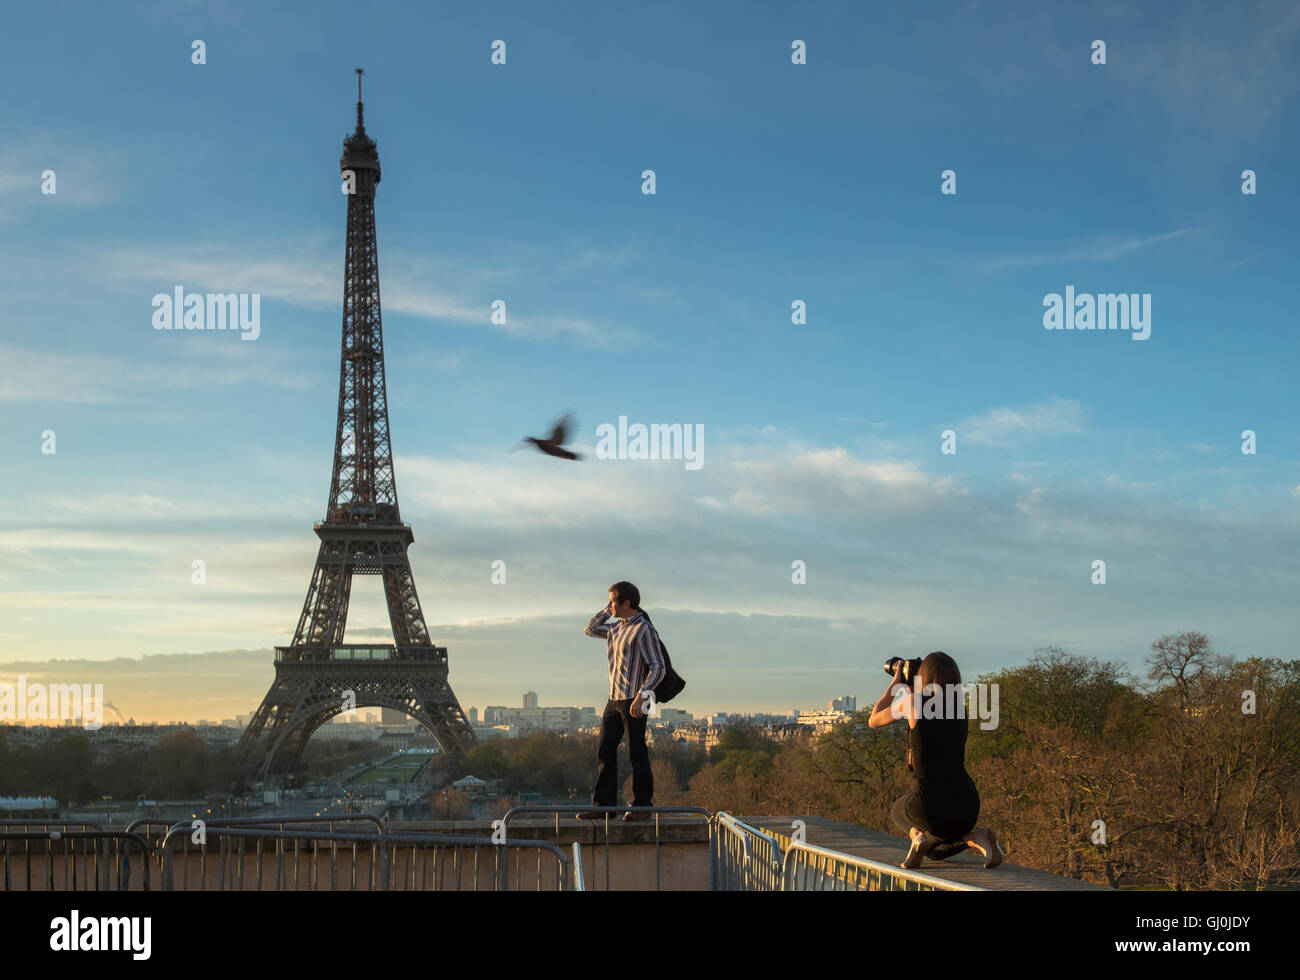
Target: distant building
530, 719
824, 720
406, 741
674, 716
530, 700
486, 733
470, 785
784, 731
703, 734
24, 804
847, 703
342, 728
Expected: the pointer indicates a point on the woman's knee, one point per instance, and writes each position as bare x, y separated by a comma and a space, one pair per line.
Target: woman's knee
898, 813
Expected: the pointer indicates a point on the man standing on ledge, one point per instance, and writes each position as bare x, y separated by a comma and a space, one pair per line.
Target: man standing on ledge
635, 667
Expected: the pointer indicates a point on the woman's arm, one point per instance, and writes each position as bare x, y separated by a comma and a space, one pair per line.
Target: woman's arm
884, 712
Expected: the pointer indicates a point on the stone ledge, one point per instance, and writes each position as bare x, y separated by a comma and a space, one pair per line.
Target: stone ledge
672, 830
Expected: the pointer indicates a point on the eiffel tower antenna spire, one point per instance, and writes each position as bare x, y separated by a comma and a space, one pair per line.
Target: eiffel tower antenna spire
361, 126
318, 676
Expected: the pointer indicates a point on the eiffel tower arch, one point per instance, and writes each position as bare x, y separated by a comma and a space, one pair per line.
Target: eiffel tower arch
318, 676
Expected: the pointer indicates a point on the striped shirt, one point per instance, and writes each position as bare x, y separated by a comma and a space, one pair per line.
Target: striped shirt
633, 650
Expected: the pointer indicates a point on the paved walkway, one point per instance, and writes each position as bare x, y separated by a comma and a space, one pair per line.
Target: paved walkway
967, 867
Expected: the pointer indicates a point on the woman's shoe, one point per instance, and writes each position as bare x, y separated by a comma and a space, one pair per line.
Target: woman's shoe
986, 840
917, 853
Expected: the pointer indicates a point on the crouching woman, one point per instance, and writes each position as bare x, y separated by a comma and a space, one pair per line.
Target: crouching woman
939, 815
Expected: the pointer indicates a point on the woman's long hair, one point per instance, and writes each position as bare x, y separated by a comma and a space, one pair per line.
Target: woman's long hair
938, 668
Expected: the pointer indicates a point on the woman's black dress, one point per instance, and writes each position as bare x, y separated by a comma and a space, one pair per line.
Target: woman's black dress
945, 803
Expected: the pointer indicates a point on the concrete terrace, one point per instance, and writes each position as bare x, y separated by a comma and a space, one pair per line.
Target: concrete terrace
685, 844
966, 868
535, 850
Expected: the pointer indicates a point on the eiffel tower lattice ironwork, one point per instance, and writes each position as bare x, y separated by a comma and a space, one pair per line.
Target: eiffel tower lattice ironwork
362, 534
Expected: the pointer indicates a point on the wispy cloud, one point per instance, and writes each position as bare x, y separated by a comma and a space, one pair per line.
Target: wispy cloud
796, 479
1108, 249
98, 379
84, 176
309, 278
1008, 426
1222, 69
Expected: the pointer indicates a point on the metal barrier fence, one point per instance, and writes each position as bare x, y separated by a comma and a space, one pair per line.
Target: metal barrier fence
155, 831
291, 854
35, 826
807, 867
151, 830
579, 883
240, 859
74, 860
741, 857
611, 813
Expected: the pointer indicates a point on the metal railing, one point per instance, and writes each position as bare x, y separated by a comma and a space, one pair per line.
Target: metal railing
258, 858
73, 860
741, 857
294, 853
729, 859
155, 830
151, 829
364, 652
611, 814
45, 826
807, 867
579, 883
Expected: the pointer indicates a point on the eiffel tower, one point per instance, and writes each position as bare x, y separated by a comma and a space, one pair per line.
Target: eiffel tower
362, 534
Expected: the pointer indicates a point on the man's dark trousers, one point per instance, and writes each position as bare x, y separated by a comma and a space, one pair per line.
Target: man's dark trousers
618, 717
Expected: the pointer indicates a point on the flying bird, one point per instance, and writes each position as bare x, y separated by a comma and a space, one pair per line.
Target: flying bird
554, 445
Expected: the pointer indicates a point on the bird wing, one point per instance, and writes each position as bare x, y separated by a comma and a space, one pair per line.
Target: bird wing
560, 435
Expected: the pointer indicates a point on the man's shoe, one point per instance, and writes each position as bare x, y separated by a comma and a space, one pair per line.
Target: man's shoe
636, 815
593, 815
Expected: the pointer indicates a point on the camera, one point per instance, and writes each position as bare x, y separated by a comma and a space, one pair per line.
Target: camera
911, 668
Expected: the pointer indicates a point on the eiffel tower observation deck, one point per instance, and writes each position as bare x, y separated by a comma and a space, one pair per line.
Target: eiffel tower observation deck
318, 675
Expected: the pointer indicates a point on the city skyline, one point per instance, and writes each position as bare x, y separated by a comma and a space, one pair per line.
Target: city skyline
115, 714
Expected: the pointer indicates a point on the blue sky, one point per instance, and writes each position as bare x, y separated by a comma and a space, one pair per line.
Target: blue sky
775, 182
